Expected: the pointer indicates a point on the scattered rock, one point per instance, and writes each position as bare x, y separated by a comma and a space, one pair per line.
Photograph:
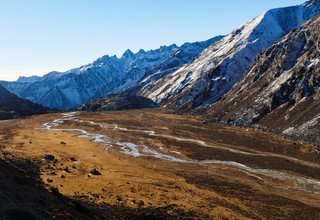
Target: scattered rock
54, 190
62, 177
73, 159
66, 170
141, 203
48, 157
119, 198
49, 180
95, 172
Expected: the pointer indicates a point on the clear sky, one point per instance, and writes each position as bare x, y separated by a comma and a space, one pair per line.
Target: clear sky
39, 36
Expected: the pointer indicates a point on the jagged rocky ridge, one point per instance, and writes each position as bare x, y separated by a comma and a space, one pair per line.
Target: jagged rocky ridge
282, 89
12, 106
106, 75
206, 79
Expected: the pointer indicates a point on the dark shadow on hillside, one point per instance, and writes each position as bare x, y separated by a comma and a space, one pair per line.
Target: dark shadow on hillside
24, 196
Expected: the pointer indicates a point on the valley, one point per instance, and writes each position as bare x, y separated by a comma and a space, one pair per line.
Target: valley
222, 128
156, 163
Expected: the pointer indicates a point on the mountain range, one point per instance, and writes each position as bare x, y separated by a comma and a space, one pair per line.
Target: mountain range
264, 73
187, 77
63, 90
219, 67
281, 90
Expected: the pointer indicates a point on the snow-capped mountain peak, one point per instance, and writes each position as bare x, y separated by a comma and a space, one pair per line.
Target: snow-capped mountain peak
220, 66
105, 75
128, 54
281, 89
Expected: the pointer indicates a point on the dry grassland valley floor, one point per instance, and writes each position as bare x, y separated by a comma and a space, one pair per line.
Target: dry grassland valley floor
152, 164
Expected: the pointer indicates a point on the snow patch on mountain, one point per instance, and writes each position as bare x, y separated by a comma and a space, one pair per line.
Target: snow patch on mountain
107, 74
220, 66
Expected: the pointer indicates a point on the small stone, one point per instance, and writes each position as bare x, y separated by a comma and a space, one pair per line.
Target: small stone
66, 170
48, 157
53, 173
141, 203
49, 180
73, 159
95, 172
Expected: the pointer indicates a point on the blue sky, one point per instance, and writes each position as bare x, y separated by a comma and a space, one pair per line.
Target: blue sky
39, 36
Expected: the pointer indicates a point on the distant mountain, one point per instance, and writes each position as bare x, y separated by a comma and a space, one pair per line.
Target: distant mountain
223, 64
130, 94
282, 89
12, 106
23, 79
106, 75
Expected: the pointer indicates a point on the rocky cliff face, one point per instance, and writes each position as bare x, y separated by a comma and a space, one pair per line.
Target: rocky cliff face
12, 106
206, 79
282, 89
107, 74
